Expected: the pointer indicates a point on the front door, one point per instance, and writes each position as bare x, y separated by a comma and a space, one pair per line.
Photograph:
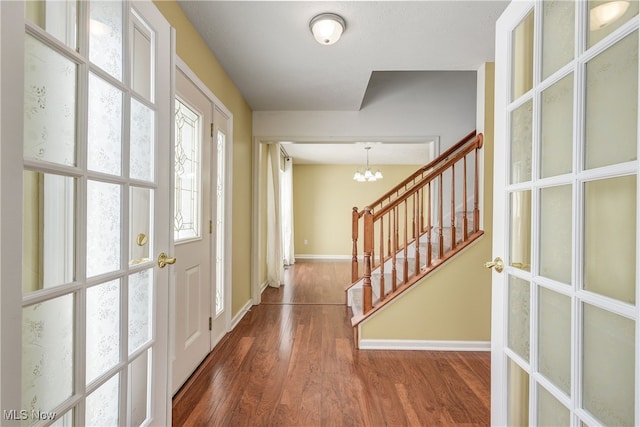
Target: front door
565, 312
94, 306
193, 229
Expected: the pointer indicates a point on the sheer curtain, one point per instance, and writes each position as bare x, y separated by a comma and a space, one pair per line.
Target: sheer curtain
286, 198
275, 267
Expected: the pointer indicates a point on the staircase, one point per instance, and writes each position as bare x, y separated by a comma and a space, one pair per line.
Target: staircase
413, 229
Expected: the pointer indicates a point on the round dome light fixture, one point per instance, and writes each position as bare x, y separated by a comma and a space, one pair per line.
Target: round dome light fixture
327, 28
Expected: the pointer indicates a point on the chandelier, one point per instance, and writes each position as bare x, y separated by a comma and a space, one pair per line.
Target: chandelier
367, 175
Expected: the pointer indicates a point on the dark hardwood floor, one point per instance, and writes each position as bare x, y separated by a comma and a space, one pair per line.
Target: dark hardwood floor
291, 362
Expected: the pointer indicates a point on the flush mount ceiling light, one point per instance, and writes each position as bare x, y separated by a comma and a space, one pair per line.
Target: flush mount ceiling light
327, 28
606, 13
367, 175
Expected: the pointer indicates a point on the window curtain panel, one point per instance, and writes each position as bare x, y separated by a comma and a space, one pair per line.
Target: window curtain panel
275, 266
286, 198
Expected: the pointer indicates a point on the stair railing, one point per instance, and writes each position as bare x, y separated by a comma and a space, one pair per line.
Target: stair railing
412, 215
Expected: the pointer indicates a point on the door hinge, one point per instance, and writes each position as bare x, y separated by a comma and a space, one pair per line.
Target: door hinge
211, 130
210, 323
210, 226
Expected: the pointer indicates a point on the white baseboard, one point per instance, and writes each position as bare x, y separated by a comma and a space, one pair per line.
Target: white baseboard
263, 286
238, 317
324, 257
366, 344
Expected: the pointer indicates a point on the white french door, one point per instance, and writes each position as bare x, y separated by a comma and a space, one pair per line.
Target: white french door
95, 214
565, 337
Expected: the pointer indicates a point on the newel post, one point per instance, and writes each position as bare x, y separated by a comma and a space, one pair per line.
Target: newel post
368, 249
476, 185
354, 238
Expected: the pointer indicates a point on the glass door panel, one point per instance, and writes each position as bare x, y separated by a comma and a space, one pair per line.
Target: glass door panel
521, 140
520, 230
104, 230
607, 16
48, 234
142, 141
106, 36
550, 411
612, 105
57, 17
48, 360
103, 328
102, 405
557, 35
522, 50
140, 225
556, 128
518, 395
104, 127
608, 372
519, 316
49, 104
554, 338
556, 233
609, 237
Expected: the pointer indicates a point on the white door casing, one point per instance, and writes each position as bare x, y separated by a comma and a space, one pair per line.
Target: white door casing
93, 316
564, 311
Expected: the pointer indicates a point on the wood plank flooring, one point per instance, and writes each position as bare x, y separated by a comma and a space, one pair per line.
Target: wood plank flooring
291, 362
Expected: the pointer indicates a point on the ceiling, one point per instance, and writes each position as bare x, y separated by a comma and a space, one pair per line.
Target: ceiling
268, 51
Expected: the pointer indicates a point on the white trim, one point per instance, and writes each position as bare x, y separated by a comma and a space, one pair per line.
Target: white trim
238, 317
263, 286
373, 344
11, 160
325, 257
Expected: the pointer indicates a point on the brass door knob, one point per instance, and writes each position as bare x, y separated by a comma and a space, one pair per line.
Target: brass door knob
164, 259
496, 263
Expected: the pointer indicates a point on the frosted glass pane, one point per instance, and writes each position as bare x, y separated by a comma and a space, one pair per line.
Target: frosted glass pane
612, 105
556, 127
47, 354
103, 406
188, 173
518, 321
551, 412
558, 23
57, 17
142, 141
521, 119
518, 395
49, 104
140, 300
105, 36
48, 231
610, 237
142, 54
605, 19
555, 233
104, 127
554, 338
139, 386
103, 227
103, 328
522, 66
520, 230
140, 236
608, 366
66, 420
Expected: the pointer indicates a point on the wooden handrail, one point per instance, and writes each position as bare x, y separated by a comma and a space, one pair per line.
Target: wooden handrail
395, 224
423, 169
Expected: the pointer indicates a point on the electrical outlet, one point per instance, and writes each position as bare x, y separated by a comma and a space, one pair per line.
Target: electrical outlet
306, 242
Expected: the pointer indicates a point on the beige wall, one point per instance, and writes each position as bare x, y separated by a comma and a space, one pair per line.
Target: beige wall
194, 52
324, 197
454, 303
